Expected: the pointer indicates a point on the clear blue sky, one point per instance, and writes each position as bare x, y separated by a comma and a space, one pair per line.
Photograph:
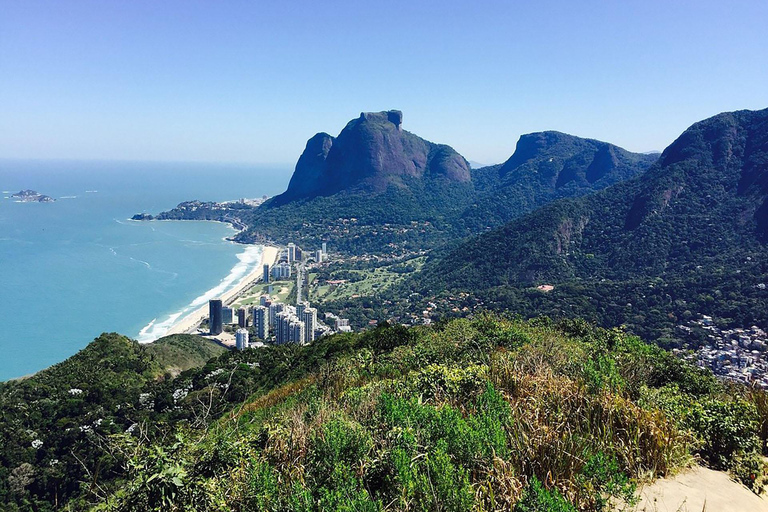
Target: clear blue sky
251, 81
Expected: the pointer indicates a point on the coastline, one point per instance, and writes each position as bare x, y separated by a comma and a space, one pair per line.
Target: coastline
190, 322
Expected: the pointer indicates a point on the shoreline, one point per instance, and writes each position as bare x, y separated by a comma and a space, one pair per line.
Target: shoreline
190, 322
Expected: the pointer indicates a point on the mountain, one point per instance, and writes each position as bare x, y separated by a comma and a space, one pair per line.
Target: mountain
544, 167
371, 154
695, 224
376, 188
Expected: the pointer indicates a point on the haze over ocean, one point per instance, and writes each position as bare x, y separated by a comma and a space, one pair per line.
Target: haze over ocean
73, 269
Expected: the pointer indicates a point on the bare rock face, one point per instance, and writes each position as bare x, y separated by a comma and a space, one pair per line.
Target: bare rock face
371, 154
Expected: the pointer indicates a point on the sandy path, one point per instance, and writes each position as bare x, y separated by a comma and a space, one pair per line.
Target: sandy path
696, 490
192, 320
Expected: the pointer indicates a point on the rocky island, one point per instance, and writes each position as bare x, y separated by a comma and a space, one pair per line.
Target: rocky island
30, 196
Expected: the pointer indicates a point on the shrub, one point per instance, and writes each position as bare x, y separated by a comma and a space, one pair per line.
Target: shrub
536, 498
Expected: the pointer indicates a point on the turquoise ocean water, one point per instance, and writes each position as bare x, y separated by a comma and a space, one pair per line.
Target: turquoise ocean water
78, 267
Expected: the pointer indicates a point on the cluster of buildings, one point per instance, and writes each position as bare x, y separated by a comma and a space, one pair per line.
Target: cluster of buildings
272, 320
284, 323
220, 315
736, 354
291, 255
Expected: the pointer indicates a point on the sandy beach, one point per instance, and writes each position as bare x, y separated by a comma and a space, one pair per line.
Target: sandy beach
191, 321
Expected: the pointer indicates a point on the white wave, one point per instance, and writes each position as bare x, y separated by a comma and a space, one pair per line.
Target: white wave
91, 191
145, 263
147, 327
248, 261
154, 330
68, 197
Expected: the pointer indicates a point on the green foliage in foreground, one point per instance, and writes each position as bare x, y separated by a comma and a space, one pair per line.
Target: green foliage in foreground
54, 425
483, 414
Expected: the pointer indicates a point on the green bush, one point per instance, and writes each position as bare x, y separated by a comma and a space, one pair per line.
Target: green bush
536, 498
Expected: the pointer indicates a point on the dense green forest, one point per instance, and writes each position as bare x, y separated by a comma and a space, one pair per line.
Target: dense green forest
55, 425
686, 237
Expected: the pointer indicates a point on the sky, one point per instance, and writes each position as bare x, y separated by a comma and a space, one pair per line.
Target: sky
251, 81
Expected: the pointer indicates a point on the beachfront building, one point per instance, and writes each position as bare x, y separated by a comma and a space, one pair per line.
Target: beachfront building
227, 316
215, 316
242, 317
281, 271
261, 322
266, 273
241, 339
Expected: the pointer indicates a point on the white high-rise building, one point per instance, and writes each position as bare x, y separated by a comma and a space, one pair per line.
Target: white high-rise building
274, 309
261, 322
309, 317
241, 339
300, 307
296, 331
291, 252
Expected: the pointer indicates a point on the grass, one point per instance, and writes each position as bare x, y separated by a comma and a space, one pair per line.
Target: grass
180, 352
368, 282
280, 290
483, 414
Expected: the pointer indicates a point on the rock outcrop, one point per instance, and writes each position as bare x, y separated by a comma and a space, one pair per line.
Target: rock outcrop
371, 154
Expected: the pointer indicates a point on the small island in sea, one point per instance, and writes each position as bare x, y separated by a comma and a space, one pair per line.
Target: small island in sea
31, 196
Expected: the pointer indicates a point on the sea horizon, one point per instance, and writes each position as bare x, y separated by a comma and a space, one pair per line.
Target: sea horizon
80, 266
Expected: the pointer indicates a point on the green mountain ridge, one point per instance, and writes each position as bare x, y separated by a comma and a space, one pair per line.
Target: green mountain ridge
699, 211
377, 188
547, 166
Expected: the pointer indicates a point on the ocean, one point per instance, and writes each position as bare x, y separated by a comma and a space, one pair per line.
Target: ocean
75, 268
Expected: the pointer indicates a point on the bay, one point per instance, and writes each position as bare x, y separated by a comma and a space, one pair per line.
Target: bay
75, 268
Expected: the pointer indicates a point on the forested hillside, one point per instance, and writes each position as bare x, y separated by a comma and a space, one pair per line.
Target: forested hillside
688, 233
55, 425
377, 188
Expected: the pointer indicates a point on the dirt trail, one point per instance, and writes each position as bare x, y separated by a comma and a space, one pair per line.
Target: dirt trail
699, 490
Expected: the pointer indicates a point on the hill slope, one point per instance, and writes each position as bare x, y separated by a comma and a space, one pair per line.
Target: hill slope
483, 414
53, 424
544, 167
698, 217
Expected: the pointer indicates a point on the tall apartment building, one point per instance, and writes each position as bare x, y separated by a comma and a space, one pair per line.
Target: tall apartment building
291, 252
241, 339
215, 316
261, 322
242, 317
309, 317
